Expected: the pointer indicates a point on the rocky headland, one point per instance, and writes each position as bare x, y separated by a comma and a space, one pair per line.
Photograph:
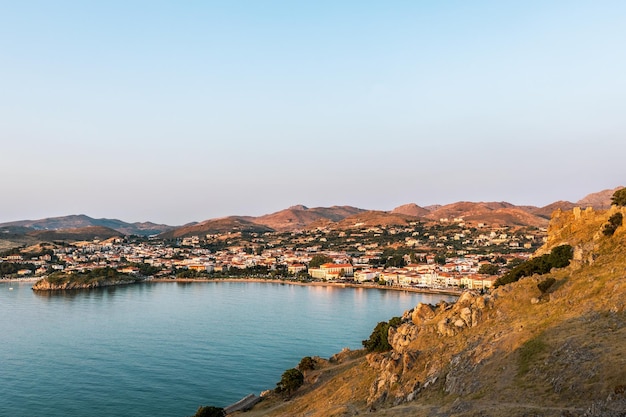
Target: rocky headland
520, 350
104, 277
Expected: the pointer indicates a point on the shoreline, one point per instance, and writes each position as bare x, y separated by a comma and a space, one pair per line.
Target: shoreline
313, 284
30, 279
434, 291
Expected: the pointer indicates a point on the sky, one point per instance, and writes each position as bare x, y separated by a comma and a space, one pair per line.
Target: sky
181, 111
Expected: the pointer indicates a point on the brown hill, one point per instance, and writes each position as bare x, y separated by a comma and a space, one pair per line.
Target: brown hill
81, 220
513, 352
375, 218
232, 224
546, 211
300, 217
599, 201
411, 209
493, 213
77, 234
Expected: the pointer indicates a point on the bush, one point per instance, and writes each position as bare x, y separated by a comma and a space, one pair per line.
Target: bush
489, 269
619, 197
545, 285
378, 341
291, 380
306, 364
559, 257
615, 221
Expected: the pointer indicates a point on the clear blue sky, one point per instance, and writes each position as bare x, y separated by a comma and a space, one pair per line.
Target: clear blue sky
179, 111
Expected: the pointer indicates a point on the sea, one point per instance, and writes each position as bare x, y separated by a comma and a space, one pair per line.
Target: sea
164, 349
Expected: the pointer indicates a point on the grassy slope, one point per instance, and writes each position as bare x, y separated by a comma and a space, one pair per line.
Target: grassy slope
551, 358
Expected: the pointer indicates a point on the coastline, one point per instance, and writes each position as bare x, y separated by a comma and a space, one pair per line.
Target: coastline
313, 284
280, 281
30, 279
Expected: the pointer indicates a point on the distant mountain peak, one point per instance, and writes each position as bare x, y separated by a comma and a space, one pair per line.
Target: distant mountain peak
298, 207
411, 209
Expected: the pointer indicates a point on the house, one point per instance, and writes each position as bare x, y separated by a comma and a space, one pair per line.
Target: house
366, 275
295, 268
332, 271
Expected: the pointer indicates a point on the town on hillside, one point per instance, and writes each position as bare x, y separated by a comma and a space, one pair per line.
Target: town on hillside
448, 254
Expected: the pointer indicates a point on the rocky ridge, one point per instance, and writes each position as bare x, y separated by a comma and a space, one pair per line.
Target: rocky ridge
513, 352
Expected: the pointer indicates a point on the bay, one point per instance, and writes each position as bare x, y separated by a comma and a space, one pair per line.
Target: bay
164, 349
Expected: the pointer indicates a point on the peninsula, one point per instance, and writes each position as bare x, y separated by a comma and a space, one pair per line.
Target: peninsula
550, 343
96, 278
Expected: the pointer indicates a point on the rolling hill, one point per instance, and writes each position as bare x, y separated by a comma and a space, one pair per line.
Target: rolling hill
516, 351
81, 220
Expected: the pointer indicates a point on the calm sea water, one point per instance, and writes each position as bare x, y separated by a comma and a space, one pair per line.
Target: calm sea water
164, 349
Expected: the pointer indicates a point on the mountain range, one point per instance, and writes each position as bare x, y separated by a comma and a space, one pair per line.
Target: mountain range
300, 217
547, 345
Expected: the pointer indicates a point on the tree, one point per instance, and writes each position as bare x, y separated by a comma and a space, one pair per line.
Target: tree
489, 269
396, 260
318, 260
440, 258
306, 364
615, 221
560, 256
291, 380
619, 197
379, 339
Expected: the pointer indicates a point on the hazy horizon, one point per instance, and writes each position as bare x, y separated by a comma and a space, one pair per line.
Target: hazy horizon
178, 112
284, 208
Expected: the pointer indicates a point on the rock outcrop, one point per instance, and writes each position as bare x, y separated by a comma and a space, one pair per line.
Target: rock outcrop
517, 351
45, 285
444, 320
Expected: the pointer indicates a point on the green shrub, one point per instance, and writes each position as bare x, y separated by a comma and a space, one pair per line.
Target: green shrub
306, 364
559, 257
378, 341
545, 285
619, 197
615, 221
489, 269
290, 381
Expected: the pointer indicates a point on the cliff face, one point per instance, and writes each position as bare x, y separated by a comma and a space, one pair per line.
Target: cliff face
513, 352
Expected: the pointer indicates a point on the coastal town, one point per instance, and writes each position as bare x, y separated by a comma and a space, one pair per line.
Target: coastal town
444, 255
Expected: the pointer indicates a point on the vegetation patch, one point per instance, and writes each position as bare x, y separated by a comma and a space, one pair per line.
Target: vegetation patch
559, 257
546, 284
378, 341
528, 354
615, 221
88, 277
291, 380
619, 198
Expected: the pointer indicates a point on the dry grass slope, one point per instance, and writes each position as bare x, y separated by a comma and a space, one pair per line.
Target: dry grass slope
514, 352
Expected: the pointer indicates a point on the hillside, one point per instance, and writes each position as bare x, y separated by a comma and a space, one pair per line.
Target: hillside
299, 217
81, 233
494, 213
233, 224
375, 218
81, 221
546, 211
599, 201
513, 352
411, 209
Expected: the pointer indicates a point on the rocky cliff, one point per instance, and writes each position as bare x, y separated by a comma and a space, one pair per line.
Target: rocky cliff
516, 351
